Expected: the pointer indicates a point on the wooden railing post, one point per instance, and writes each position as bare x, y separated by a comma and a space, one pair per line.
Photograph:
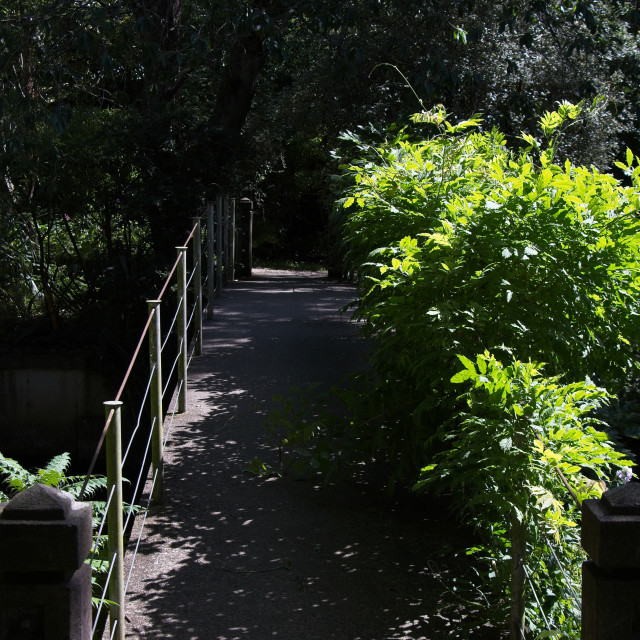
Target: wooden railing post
115, 520
182, 329
155, 402
211, 259
197, 286
611, 578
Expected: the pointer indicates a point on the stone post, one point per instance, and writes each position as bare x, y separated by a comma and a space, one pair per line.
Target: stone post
244, 261
45, 584
611, 578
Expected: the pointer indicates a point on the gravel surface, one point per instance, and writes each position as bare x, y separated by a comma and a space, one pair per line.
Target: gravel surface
235, 556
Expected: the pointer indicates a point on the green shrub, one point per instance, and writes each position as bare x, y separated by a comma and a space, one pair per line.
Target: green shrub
521, 455
464, 245
17, 478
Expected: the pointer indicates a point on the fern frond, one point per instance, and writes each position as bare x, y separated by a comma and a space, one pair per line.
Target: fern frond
15, 475
53, 473
100, 566
50, 477
73, 485
98, 546
132, 508
59, 463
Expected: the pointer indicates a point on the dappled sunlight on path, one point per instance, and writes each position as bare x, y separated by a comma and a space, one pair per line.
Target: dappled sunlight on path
236, 556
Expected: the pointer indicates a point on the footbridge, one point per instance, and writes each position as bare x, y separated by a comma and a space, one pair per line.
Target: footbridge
213, 551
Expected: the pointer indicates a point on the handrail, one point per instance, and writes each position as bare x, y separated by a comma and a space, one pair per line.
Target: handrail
219, 254
131, 365
171, 274
117, 398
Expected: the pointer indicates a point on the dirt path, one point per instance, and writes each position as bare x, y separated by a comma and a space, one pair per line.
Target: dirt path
234, 556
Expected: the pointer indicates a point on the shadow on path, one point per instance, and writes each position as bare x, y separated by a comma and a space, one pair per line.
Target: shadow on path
235, 556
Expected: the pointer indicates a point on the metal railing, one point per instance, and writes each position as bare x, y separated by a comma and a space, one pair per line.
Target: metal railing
217, 262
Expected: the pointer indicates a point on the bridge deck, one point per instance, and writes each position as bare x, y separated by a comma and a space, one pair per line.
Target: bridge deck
236, 556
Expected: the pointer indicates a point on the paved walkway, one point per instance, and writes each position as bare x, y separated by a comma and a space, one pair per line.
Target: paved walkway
234, 556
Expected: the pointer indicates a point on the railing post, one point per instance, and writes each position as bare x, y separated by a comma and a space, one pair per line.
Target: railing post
226, 243
182, 329
211, 283
517, 578
115, 519
611, 578
244, 221
232, 236
155, 401
45, 584
518, 535
197, 286
219, 242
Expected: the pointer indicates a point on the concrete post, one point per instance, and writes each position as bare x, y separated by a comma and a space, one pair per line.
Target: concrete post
244, 261
45, 585
611, 578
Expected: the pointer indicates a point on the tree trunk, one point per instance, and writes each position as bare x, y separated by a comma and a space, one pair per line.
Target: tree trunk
169, 12
246, 60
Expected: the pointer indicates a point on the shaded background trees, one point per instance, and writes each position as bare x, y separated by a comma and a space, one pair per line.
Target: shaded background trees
508, 61
104, 107
118, 119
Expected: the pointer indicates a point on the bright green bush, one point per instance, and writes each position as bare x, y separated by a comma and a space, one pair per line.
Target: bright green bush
464, 245
515, 465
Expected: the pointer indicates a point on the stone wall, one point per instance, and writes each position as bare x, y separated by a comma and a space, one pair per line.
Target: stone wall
50, 403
